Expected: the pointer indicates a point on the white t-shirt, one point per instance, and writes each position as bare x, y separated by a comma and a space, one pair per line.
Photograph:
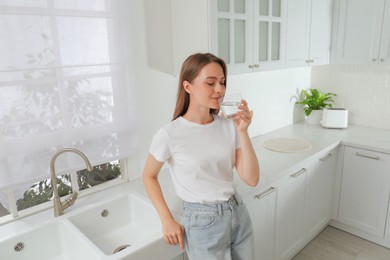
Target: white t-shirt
201, 158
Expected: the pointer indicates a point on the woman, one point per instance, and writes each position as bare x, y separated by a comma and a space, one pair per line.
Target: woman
201, 149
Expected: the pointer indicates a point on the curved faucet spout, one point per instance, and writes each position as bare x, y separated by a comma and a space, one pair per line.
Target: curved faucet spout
59, 207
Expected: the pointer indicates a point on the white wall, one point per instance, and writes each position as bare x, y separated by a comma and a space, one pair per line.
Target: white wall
269, 94
363, 90
155, 91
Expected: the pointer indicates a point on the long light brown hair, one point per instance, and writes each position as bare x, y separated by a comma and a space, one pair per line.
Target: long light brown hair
189, 71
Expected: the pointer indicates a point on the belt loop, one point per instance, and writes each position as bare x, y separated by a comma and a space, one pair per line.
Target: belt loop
219, 209
237, 199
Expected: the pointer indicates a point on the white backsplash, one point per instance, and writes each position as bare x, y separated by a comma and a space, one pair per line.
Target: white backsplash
272, 96
363, 90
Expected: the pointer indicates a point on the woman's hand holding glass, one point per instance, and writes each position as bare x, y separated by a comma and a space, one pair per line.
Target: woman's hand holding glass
243, 118
235, 108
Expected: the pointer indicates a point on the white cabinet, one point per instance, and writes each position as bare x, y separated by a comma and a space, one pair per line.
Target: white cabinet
384, 51
308, 32
304, 203
320, 190
362, 30
175, 29
290, 219
365, 189
262, 209
248, 34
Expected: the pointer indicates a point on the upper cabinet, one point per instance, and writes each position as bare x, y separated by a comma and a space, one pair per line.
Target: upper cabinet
308, 32
384, 51
248, 34
175, 29
362, 32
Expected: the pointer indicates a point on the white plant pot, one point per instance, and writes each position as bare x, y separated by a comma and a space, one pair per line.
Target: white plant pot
315, 117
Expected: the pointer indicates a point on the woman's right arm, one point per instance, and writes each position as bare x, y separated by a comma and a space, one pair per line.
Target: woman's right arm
173, 232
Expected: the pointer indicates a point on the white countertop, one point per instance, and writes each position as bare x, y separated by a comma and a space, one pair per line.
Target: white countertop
273, 165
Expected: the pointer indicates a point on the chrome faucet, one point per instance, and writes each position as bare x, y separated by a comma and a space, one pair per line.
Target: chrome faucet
59, 206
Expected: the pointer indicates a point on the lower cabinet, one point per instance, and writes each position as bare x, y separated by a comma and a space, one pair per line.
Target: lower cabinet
320, 192
304, 203
262, 209
365, 191
290, 219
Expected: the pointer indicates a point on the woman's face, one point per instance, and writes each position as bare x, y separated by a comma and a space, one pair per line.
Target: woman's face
208, 87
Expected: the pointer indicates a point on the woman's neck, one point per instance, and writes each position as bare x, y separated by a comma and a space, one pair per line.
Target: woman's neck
198, 118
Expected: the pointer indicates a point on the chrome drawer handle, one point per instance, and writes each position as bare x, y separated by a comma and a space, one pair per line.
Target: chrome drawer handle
367, 156
265, 193
326, 157
301, 171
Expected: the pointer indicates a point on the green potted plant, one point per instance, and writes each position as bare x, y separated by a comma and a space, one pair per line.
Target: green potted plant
314, 102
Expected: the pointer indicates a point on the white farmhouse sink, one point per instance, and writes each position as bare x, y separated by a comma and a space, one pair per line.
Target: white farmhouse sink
49, 241
121, 225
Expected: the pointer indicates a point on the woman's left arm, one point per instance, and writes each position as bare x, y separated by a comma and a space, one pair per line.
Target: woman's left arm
247, 164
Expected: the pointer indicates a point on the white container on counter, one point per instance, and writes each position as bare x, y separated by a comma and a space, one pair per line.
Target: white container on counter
335, 118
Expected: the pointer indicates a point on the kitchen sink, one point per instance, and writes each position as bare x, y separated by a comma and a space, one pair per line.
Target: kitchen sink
52, 240
121, 225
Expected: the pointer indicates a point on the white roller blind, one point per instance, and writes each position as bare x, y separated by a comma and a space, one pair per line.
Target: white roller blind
65, 81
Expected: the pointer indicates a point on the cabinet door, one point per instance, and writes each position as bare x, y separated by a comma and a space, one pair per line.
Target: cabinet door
320, 32
269, 34
298, 32
290, 225
262, 209
320, 189
365, 190
359, 31
248, 34
308, 32
384, 55
231, 38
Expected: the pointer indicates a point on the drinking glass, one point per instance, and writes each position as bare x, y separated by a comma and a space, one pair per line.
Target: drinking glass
230, 104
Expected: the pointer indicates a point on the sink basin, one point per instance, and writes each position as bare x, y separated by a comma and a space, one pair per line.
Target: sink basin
123, 224
49, 241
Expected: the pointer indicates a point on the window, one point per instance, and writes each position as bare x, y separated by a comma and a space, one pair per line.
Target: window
65, 81
41, 192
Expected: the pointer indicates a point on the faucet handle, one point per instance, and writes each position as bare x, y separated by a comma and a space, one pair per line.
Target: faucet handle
70, 201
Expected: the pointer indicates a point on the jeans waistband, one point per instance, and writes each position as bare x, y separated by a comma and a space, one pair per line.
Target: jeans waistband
234, 200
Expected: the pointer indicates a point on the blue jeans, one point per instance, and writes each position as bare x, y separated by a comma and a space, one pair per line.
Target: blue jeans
220, 231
